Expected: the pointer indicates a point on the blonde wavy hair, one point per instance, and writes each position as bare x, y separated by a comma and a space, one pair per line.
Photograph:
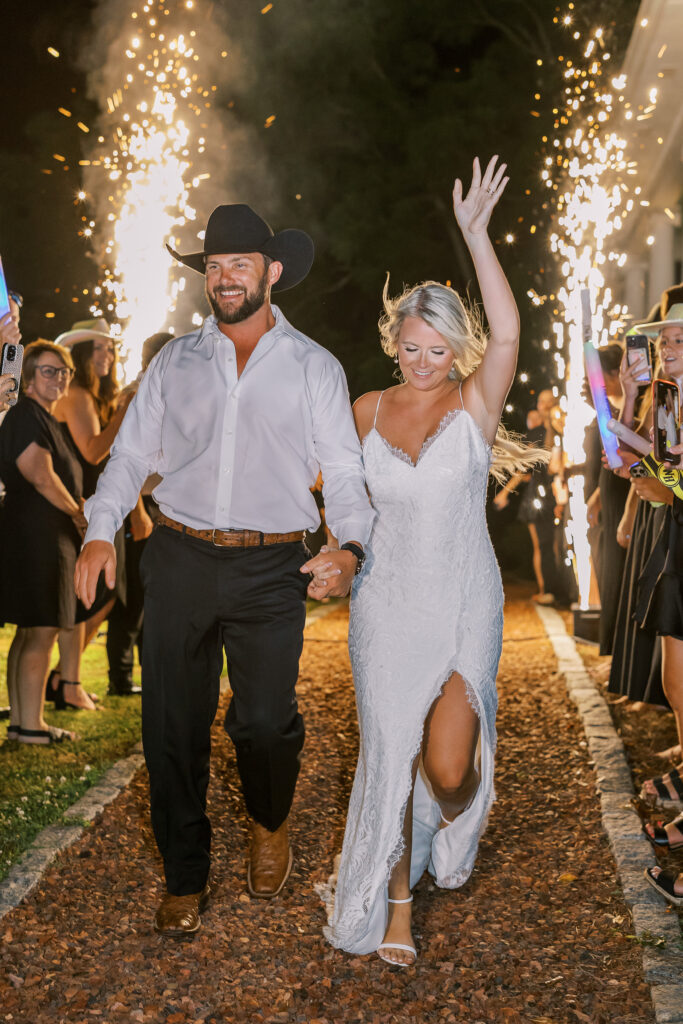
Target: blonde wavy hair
461, 327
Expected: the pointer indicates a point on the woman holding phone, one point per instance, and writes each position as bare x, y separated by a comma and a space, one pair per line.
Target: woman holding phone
427, 610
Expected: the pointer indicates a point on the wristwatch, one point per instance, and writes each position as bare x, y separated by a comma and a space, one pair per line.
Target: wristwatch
358, 552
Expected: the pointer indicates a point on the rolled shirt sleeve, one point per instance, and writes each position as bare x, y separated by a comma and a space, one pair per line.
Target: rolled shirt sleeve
348, 512
134, 455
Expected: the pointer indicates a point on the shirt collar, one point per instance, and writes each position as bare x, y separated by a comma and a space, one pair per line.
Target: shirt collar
210, 328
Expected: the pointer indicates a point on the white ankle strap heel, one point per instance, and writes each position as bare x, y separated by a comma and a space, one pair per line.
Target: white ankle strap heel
397, 945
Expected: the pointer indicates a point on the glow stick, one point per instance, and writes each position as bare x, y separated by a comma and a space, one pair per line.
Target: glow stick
596, 380
633, 440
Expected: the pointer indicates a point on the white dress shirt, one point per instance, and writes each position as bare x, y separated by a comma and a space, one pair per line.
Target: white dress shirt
239, 453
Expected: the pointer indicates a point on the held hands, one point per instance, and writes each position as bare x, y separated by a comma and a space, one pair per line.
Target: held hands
96, 556
474, 211
333, 573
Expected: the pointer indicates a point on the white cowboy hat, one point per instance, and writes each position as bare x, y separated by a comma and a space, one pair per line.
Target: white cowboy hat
84, 330
674, 318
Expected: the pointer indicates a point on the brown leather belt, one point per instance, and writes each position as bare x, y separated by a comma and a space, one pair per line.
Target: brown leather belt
231, 538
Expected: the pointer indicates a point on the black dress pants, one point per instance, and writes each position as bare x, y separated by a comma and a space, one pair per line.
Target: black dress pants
200, 599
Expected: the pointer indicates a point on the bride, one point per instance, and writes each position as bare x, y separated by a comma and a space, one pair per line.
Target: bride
427, 609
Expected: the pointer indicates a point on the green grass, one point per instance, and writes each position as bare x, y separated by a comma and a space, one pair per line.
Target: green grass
38, 783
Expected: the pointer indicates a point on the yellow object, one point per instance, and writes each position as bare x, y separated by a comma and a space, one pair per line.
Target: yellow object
667, 475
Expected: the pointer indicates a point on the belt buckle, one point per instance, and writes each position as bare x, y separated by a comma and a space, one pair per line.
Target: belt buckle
213, 538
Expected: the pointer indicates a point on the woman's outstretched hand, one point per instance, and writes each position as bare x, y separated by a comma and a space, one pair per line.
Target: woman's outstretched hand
474, 211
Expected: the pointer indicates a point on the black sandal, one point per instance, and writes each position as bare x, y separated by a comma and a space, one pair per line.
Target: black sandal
664, 884
56, 693
663, 794
62, 704
51, 735
660, 839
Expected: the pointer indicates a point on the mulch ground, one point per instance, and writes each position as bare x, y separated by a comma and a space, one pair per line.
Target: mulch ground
645, 730
539, 934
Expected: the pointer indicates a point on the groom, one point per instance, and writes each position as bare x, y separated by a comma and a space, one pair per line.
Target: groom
238, 418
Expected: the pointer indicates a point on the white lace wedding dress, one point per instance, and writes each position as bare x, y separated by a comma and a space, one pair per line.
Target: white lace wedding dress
428, 603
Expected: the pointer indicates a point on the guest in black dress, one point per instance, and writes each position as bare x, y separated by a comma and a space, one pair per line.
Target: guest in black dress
41, 528
91, 413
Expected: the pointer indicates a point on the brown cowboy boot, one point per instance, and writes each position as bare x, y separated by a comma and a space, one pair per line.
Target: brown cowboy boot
270, 861
179, 915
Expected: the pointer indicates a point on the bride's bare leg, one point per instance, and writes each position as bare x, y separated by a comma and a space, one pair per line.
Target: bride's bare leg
449, 748
398, 924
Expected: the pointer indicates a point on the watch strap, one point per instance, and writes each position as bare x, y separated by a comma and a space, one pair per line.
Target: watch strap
356, 550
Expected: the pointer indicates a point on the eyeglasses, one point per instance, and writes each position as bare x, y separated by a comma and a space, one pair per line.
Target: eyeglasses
63, 372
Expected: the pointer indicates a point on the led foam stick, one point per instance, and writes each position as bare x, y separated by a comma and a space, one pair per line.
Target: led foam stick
633, 440
596, 380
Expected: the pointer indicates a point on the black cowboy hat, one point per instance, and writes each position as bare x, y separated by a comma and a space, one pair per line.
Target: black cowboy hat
236, 228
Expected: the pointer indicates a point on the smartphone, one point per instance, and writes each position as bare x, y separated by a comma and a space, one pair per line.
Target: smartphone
637, 346
10, 362
666, 419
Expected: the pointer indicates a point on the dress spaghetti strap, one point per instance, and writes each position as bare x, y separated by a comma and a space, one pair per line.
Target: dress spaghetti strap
374, 422
462, 404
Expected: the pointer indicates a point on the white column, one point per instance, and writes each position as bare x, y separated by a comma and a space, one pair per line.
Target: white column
634, 288
661, 255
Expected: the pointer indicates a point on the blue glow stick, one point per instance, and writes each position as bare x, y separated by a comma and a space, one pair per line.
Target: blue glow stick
596, 380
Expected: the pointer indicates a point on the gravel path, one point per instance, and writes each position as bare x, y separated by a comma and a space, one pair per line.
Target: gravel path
539, 934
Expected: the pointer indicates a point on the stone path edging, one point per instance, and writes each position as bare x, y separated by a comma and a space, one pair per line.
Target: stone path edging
663, 967
27, 873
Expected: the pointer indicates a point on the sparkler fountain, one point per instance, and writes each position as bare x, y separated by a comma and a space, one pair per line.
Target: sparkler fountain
148, 166
588, 169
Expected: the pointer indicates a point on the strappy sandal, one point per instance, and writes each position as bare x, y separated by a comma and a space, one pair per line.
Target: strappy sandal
45, 737
664, 884
62, 704
660, 840
663, 796
55, 693
397, 945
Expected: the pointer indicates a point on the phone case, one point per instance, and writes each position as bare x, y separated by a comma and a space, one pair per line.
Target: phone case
11, 362
665, 419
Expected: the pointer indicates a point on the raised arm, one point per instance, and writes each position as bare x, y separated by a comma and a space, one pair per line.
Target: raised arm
487, 388
78, 410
